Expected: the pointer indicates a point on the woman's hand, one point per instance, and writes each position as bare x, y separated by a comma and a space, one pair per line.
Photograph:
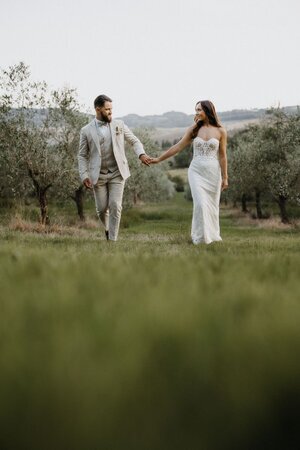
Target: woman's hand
224, 184
154, 161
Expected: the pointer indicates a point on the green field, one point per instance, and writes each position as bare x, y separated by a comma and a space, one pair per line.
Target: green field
150, 343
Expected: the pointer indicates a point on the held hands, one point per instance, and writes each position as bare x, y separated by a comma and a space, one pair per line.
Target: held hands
148, 160
145, 159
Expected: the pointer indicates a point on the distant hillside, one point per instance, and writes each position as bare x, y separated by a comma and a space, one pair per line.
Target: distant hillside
174, 119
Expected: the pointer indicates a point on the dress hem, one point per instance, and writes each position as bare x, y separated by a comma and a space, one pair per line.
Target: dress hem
203, 241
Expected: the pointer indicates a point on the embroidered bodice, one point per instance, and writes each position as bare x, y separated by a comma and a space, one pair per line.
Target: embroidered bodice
206, 149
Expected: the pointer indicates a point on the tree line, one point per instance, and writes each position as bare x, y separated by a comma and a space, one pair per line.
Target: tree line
264, 162
38, 153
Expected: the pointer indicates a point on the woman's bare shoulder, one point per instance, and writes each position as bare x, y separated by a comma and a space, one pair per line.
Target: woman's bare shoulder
188, 132
190, 128
223, 131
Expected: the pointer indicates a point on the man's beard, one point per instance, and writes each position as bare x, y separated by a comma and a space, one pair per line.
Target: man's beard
106, 119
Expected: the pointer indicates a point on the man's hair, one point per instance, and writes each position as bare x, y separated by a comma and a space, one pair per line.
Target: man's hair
100, 100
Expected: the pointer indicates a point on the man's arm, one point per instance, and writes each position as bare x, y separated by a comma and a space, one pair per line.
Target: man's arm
83, 158
137, 145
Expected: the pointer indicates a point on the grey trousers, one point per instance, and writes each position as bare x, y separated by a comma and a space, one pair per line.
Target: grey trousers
108, 193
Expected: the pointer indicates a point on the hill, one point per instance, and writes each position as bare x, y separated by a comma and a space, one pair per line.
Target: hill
176, 119
172, 124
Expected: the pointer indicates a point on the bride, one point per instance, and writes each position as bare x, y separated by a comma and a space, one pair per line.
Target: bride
207, 173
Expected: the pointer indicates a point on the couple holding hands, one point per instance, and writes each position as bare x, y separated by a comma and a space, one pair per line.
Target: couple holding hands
103, 166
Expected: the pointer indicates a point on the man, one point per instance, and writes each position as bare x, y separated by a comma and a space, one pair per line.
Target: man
102, 162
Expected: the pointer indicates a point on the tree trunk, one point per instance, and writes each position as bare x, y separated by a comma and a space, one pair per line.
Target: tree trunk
244, 204
41, 195
258, 204
78, 199
282, 207
44, 206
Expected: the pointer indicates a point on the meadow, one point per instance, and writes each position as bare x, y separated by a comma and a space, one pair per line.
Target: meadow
150, 342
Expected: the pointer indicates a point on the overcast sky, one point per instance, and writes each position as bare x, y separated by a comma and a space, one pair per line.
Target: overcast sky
153, 56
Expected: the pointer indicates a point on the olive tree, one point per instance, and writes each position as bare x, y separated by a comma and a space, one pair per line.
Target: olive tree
246, 167
30, 161
265, 158
39, 137
280, 138
66, 122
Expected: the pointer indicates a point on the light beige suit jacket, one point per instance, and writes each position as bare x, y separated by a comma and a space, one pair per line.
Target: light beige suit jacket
89, 155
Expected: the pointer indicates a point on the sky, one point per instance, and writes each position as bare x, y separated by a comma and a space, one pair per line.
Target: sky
154, 56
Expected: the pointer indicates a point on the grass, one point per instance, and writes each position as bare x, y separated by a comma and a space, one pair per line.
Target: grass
150, 343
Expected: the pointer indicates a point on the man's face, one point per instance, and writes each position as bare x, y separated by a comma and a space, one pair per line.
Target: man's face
104, 112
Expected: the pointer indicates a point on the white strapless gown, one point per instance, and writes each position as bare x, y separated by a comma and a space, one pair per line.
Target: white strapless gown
205, 181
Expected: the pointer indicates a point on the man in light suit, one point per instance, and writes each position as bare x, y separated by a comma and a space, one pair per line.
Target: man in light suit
102, 162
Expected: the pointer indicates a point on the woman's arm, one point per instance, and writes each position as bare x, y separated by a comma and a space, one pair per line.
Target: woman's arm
223, 158
184, 142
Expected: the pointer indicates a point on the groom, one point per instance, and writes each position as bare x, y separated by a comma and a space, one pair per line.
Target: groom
102, 162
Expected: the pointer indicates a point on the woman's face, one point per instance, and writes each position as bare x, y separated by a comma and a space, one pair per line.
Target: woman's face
200, 114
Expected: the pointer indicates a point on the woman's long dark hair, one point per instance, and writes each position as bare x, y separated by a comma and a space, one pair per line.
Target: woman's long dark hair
211, 114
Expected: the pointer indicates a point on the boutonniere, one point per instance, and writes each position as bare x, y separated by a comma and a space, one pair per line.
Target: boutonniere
118, 130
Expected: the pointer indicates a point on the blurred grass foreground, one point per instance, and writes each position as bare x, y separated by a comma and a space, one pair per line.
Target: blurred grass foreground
152, 343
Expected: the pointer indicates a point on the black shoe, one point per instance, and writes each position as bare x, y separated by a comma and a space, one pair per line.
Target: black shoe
106, 235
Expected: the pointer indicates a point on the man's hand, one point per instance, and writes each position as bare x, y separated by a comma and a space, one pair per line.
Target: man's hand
145, 159
87, 183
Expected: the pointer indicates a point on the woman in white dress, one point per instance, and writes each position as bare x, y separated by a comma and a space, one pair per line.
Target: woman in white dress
207, 173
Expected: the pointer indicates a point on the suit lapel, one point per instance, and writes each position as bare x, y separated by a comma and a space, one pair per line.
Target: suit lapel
94, 133
112, 127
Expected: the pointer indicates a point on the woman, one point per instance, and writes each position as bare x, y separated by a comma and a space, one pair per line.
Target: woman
207, 173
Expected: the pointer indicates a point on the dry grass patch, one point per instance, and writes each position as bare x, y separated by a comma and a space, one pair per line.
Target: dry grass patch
17, 223
273, 223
